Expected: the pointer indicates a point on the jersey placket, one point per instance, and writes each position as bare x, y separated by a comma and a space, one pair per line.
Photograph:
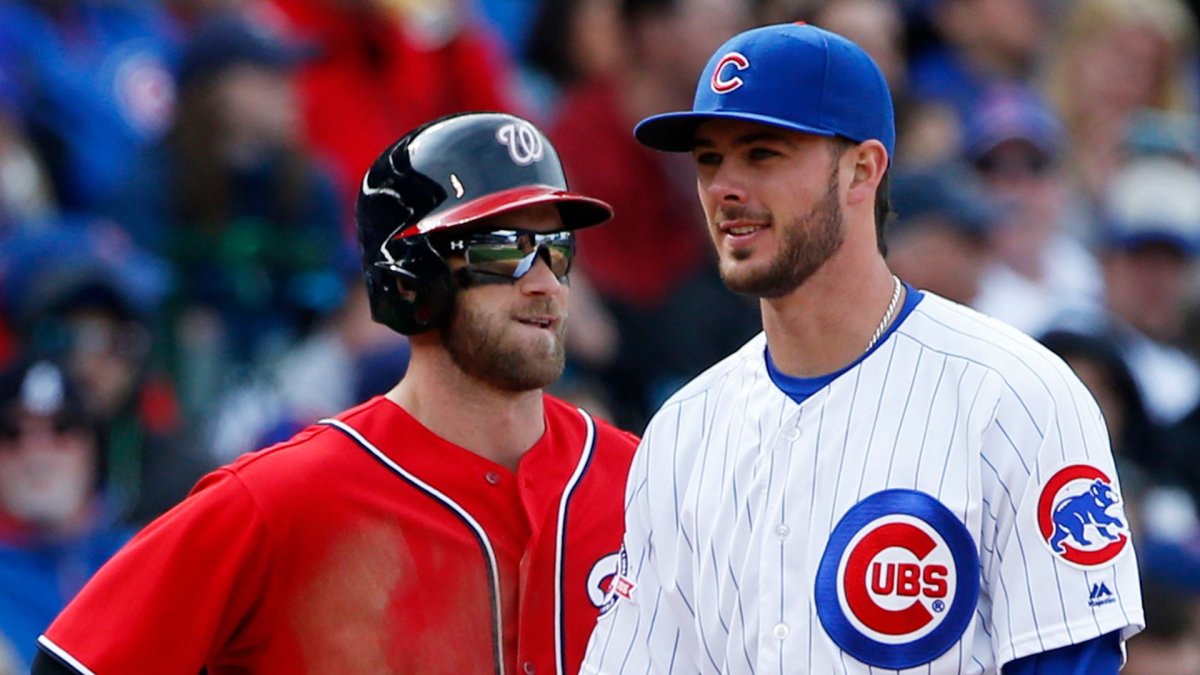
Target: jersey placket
784, 567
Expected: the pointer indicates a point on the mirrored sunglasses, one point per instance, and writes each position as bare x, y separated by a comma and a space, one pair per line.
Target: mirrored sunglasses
508, 255
11, 430
1011, 165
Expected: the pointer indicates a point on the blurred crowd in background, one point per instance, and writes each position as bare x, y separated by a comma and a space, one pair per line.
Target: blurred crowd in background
180, 283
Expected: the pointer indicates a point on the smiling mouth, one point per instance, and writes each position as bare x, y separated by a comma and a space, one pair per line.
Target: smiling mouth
745, 229
537, 322
740, 228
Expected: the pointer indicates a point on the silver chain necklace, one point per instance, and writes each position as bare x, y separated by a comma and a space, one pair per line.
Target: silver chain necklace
887, 316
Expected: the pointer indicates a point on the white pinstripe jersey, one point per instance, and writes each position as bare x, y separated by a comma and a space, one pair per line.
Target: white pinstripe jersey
945, 505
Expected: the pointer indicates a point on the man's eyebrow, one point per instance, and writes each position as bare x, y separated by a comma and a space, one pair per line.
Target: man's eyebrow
746, 139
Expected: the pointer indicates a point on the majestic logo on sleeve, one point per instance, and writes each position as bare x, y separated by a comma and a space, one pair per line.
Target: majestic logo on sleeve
899, 580
524, 143
1080, 518
723, 78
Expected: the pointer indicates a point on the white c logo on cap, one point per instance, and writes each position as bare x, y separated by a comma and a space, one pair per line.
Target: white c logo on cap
721, 85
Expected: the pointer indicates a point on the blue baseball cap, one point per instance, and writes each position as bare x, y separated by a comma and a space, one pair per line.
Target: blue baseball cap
948, 192
231, 39
795, 76
1012, 112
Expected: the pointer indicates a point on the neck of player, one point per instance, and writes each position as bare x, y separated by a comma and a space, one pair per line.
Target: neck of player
495, 424
828, 322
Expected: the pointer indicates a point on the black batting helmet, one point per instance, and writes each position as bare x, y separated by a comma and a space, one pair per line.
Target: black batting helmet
447, 174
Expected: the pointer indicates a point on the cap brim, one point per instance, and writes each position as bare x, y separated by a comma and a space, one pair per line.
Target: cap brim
1131, 241
676, 132
577, 210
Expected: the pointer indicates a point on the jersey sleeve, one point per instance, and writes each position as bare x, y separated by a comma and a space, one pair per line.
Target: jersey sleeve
1056, 550
646, 624
177, 592
1098, 656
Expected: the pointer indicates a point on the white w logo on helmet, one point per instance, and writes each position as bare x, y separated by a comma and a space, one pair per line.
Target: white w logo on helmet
524, 143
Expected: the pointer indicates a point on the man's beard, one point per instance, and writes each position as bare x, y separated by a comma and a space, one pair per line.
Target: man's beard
804, 246
481, 347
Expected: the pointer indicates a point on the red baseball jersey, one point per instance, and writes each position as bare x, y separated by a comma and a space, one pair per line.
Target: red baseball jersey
367, 544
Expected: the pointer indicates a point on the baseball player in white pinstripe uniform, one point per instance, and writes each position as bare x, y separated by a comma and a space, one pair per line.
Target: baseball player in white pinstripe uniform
883, 481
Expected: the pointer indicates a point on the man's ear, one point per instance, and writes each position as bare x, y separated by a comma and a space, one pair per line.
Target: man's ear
870, 162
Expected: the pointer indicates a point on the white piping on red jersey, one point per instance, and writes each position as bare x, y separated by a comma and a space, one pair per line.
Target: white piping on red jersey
585, 457
494, 568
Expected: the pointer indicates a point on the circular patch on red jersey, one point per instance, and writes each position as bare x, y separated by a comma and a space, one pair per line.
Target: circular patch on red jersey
899, 580
1080, 517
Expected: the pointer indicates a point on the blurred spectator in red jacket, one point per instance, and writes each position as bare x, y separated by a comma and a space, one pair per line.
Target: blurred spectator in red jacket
387, 66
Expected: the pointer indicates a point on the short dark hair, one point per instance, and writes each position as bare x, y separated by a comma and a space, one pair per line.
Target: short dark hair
883, 199
633, 10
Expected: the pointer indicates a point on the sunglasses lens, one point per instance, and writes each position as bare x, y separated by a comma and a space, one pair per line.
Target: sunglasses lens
499, 259
12, 430
511, 254
66, 423
560, 259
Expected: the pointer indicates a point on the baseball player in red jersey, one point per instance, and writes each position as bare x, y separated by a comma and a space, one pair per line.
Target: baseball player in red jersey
465, 522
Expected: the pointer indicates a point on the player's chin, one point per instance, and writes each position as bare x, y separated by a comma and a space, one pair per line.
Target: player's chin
739, 273
532, 373
544, 354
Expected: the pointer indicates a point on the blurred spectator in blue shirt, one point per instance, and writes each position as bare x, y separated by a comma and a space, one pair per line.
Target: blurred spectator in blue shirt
1149, 247
25, 191
92, 87
246, 215
940, 237
81, 293
982, 43
1042, 270
55, 531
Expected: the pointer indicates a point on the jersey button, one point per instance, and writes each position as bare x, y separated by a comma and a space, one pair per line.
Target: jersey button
492, 478
781, 630
793, 434
529, 668
783, 531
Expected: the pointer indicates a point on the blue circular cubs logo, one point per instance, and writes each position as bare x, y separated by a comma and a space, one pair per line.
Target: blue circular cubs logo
899, 580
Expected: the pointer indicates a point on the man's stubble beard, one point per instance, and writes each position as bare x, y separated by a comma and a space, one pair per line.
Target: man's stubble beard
805, 245
481, 347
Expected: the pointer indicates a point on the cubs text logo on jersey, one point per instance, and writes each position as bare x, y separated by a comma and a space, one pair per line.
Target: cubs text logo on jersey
724, 78
1080, 517
899, 580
